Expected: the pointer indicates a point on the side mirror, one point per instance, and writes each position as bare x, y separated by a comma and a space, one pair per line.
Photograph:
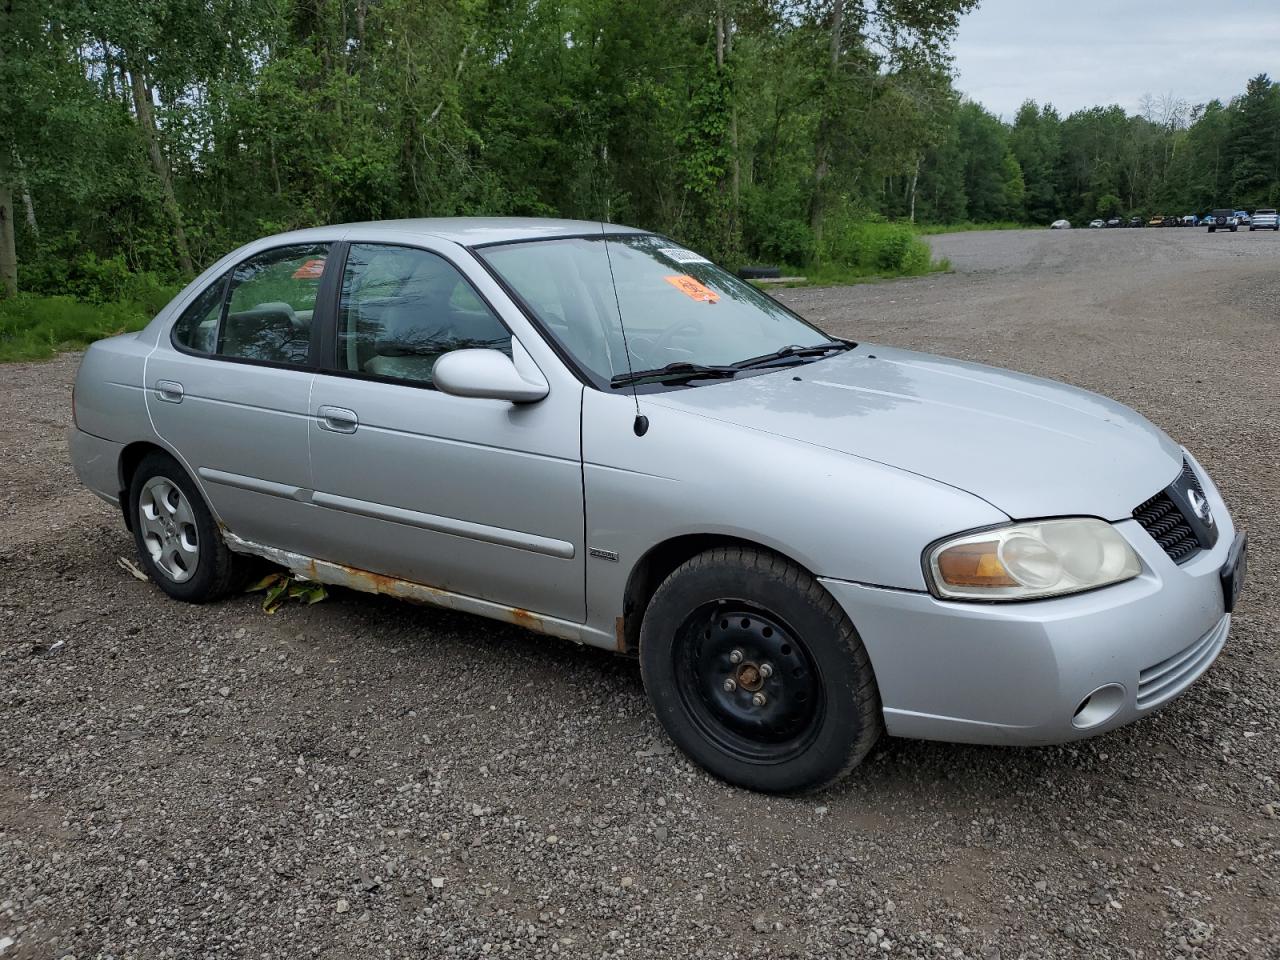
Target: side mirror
489, 375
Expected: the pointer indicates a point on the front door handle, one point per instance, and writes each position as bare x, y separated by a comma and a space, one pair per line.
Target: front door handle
338, 419
169, 391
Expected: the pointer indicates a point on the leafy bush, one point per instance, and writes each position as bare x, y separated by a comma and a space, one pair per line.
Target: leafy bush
876, 247
62, 267
34, 328
772, 230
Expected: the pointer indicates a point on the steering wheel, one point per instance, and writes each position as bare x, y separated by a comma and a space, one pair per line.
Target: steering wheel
664, 339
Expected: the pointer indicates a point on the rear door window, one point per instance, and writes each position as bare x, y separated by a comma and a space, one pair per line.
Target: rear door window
271, 304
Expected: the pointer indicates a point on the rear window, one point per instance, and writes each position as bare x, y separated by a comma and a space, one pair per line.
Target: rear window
1264, 213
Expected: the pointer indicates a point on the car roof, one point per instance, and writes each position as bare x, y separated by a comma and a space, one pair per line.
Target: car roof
467, 231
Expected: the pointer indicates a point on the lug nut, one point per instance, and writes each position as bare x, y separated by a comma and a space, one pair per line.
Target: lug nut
766, 670
730, 685
735, 657
759, 700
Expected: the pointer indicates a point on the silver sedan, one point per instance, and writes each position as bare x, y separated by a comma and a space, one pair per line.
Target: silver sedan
593, 432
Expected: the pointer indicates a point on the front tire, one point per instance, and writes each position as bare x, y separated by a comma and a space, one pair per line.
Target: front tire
179, 544
757, 674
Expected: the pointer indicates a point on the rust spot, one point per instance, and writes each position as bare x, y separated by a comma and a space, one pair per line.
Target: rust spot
524, 618
620, 631
749, 677
369, 582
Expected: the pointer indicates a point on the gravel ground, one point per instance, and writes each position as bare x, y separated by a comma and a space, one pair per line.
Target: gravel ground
365, 778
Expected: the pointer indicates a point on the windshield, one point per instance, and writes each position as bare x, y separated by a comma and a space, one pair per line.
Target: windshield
677, 307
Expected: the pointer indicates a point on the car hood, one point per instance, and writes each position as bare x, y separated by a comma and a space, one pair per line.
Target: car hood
1028, 446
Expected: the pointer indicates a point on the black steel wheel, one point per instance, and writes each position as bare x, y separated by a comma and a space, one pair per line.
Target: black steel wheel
748, 681
757, 673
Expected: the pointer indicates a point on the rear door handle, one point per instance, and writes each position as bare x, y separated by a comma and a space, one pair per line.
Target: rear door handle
338, 419
169, 391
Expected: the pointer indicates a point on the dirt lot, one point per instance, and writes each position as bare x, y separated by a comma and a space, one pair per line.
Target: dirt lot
365, 778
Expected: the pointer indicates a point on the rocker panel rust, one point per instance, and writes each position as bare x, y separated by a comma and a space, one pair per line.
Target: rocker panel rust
341, 575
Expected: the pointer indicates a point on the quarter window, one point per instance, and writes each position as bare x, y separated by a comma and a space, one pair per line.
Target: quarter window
197, 328
271, 305
403, 308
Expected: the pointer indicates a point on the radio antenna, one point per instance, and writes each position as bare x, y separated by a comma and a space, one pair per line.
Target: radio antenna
641, 425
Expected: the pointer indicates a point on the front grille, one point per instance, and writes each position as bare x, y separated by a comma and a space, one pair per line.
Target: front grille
1162, 519
1163, 680
1167, 522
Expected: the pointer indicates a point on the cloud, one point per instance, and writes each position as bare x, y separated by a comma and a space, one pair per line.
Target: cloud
1084, 53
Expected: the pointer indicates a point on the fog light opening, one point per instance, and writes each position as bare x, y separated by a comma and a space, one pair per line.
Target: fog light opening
1099, 706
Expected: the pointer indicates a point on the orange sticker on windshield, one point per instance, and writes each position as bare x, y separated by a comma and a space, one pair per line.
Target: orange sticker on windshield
311, 270
692, 289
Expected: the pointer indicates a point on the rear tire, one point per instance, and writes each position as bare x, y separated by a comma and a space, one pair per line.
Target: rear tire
179, 544
757, 674
1212, 229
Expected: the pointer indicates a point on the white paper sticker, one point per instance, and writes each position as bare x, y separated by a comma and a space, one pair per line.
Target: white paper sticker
680, 255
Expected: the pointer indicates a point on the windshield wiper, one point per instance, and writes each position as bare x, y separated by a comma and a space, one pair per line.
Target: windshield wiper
672, 373
793, 351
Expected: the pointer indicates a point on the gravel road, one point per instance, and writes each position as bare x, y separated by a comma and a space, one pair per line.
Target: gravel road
365, 778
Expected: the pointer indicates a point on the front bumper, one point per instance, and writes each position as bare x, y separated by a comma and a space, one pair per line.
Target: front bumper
1019, 673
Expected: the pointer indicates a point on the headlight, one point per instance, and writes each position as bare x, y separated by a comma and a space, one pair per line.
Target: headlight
1023, 561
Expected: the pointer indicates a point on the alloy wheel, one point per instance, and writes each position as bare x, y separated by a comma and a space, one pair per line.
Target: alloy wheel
168, 527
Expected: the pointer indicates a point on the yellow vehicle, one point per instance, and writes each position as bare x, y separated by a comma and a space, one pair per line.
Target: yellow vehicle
1156, 222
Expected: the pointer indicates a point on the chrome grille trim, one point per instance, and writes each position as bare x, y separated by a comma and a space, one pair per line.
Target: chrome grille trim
1166, 679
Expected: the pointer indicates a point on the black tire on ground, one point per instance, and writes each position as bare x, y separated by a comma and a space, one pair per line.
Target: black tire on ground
1234, 229
217, 571
1211, 229
759, 273
720, 617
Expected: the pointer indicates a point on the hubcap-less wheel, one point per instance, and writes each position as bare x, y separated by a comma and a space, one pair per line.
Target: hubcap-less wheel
168, 528
748, 682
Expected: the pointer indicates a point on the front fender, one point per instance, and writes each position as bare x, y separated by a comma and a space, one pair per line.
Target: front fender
839, 516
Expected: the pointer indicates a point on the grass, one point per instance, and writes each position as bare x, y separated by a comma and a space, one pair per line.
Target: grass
839, 275
36, 328
927, 229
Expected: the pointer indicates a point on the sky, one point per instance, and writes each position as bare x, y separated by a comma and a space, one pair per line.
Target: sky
1082, 53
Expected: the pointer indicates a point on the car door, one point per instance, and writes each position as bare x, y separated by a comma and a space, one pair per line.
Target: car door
475, 496
228, 392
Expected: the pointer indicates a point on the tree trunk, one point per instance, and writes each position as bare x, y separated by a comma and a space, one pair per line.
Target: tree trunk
28, 204
915, 177
147, 123
724, 46
822, 147
8, 252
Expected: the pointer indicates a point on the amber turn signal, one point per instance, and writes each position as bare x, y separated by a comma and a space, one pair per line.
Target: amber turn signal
974, 565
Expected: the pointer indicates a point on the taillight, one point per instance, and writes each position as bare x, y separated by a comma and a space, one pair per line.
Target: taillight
74, 421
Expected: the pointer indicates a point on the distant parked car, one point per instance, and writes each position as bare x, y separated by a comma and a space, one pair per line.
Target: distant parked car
1265, 220
1190, 220
1243, 218
1136, 222
1115, 222
1060, 225
1095, 224
1159, 221
1222, 220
